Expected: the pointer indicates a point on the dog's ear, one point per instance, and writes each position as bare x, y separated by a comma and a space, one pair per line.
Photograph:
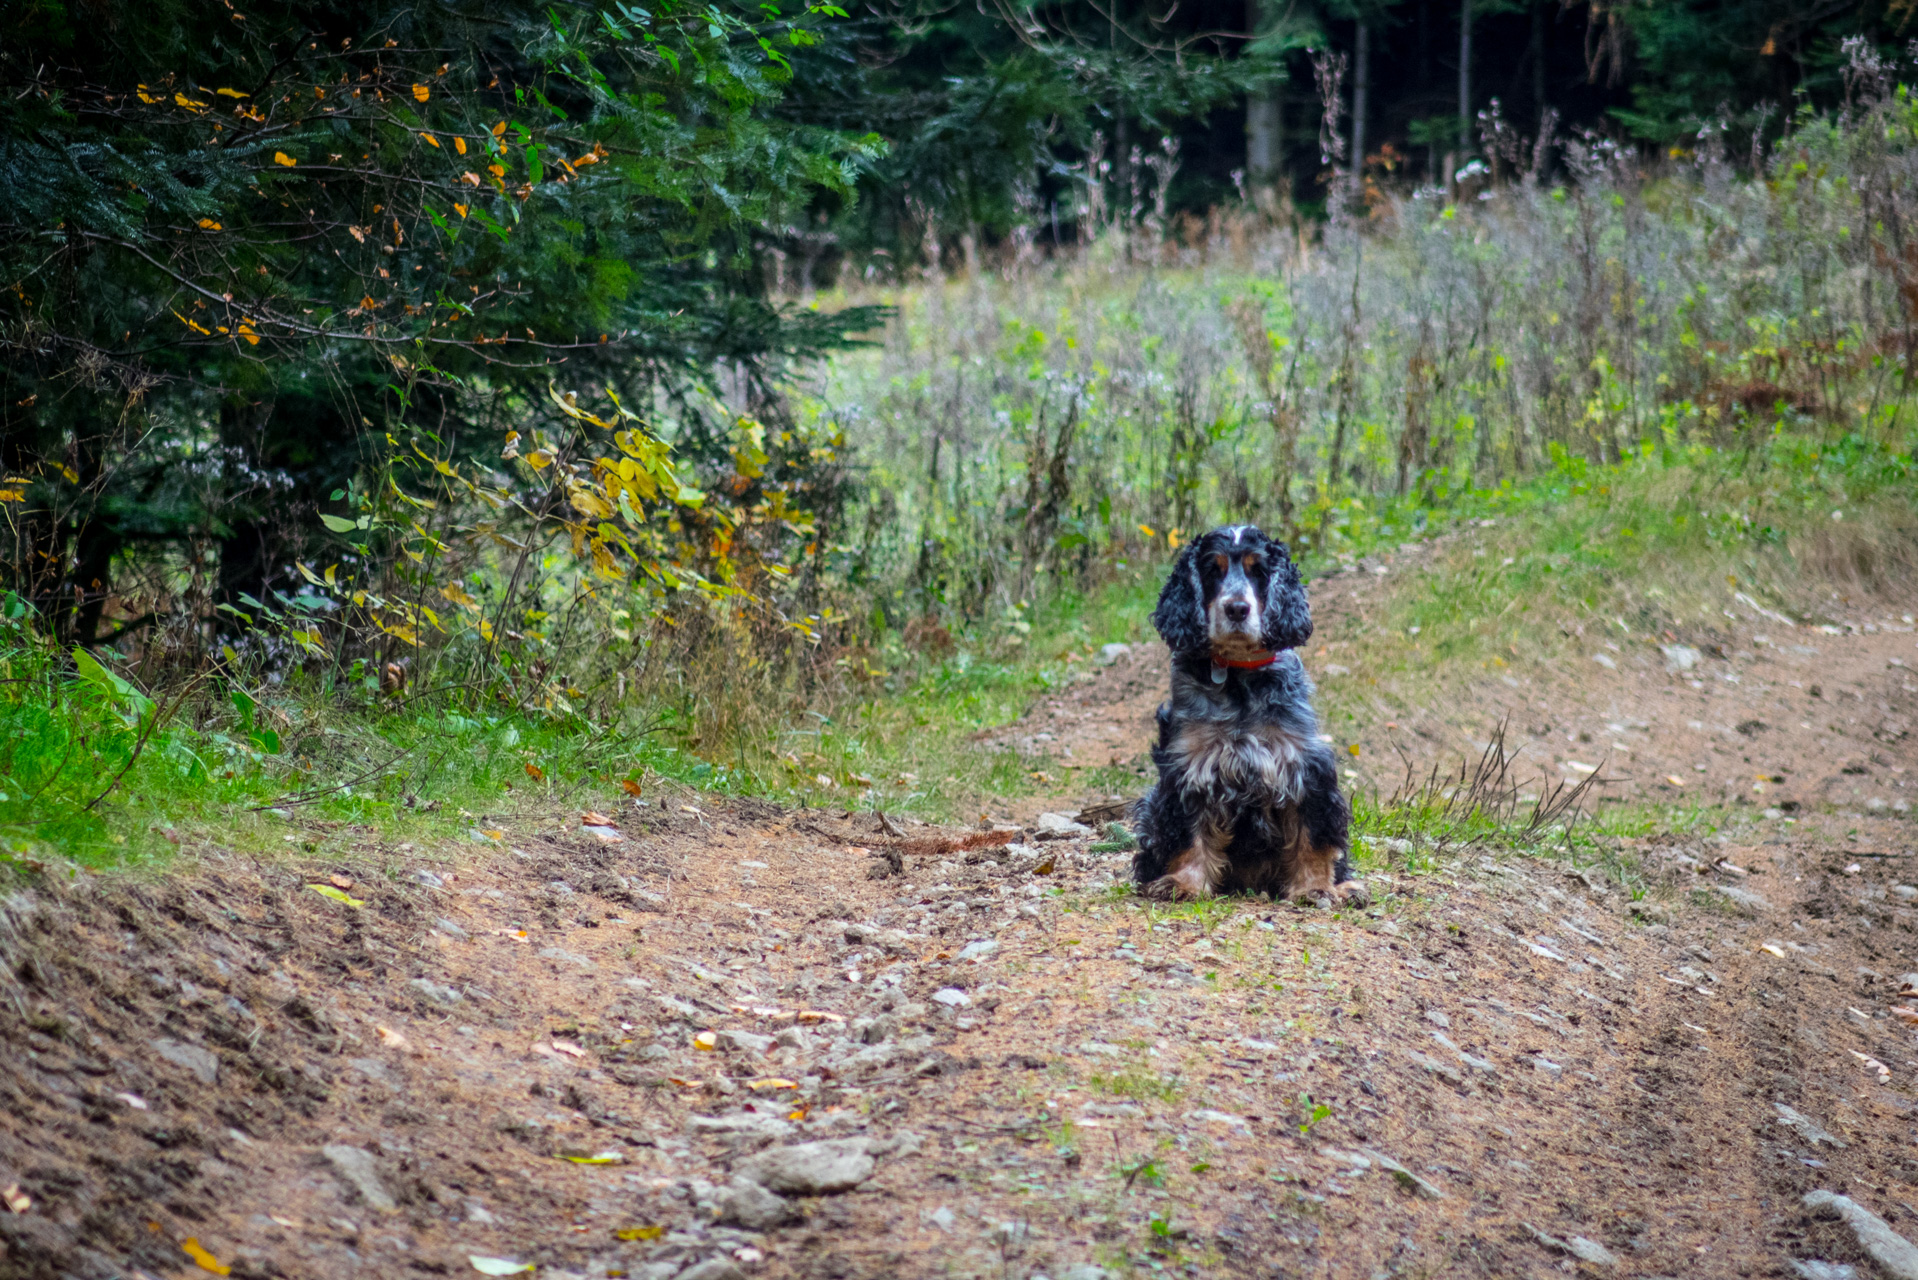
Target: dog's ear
1180, 617
1286, 618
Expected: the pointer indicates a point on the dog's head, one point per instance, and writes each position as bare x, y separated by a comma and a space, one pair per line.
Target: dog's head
1234, 594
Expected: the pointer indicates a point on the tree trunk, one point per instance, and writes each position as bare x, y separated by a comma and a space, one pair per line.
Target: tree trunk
1538, 63
1464, 77
1361, 57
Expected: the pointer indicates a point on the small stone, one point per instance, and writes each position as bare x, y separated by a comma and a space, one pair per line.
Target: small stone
1476, 1063
811, 1168
1813, 1269
1111, 653
477, 1214
1605, 660
746, 1041
1895, 1255
1060, 826
435, 992
356, 1167
1744, 898
952, 997
942, 1218
794, 1037
1438, 1017
451, 929
746, 1204
425, 879
713, 1269
977, 950
1590, 1251
201, 1062
1679, 657
569, 957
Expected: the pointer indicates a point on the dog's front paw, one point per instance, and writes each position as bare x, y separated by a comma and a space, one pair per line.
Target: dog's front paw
1165, 889
1352, 893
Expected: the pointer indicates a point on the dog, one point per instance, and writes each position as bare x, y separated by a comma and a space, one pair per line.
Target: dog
1248, 795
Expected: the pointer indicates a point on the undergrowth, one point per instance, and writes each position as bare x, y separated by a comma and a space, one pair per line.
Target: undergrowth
1646, 549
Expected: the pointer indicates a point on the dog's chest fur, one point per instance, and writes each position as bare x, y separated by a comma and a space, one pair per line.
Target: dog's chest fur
1239, 760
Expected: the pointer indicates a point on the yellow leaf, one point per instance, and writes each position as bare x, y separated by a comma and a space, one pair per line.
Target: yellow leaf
639, 1233
430, 139
206, 1260
460, 209
17, 1200
498, 171
184, 101
13, 495
773, 1082
357, 234
1148, 531
705, 1042
328, 891
540, 459
534, 772
630, 787
280, 157
232, 93
421, 93
1354, 749
208, 224
459, 145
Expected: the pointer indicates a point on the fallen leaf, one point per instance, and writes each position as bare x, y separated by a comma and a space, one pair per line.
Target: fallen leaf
291, 1224
1769, 949
1904, 1014
393, 1039
604, 1157
594, 818
818, 1015
568, 1047
773, 1082
605, 835
1044, 868
1674, 779
630, 787
133, 1100
497, 1266
684, 1084
798, 1113
534, 772
639, 1233
1853, 869
338, 895
17, 1200
341, 882
206, 1260
706, 1042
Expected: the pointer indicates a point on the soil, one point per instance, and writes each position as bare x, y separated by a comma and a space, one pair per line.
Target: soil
1504, 1067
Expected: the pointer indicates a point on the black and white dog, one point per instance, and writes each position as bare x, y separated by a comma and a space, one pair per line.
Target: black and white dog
1248, 795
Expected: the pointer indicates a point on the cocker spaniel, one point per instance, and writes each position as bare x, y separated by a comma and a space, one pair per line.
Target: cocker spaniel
1248, 794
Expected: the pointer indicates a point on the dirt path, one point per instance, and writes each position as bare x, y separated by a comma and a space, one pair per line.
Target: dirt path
1759, 712
1043, 1074
599, 1057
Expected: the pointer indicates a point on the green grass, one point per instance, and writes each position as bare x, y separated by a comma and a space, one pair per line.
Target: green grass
1649, 548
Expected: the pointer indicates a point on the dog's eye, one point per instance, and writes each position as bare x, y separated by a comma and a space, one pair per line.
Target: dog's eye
1251, 560
1221, 562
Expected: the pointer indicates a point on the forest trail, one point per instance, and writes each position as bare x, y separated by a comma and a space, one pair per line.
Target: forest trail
546, 1048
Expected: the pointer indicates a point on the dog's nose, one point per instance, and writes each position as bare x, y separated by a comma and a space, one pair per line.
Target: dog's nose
1237, 610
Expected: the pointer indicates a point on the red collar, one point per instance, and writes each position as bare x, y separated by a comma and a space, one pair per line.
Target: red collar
1260, 665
